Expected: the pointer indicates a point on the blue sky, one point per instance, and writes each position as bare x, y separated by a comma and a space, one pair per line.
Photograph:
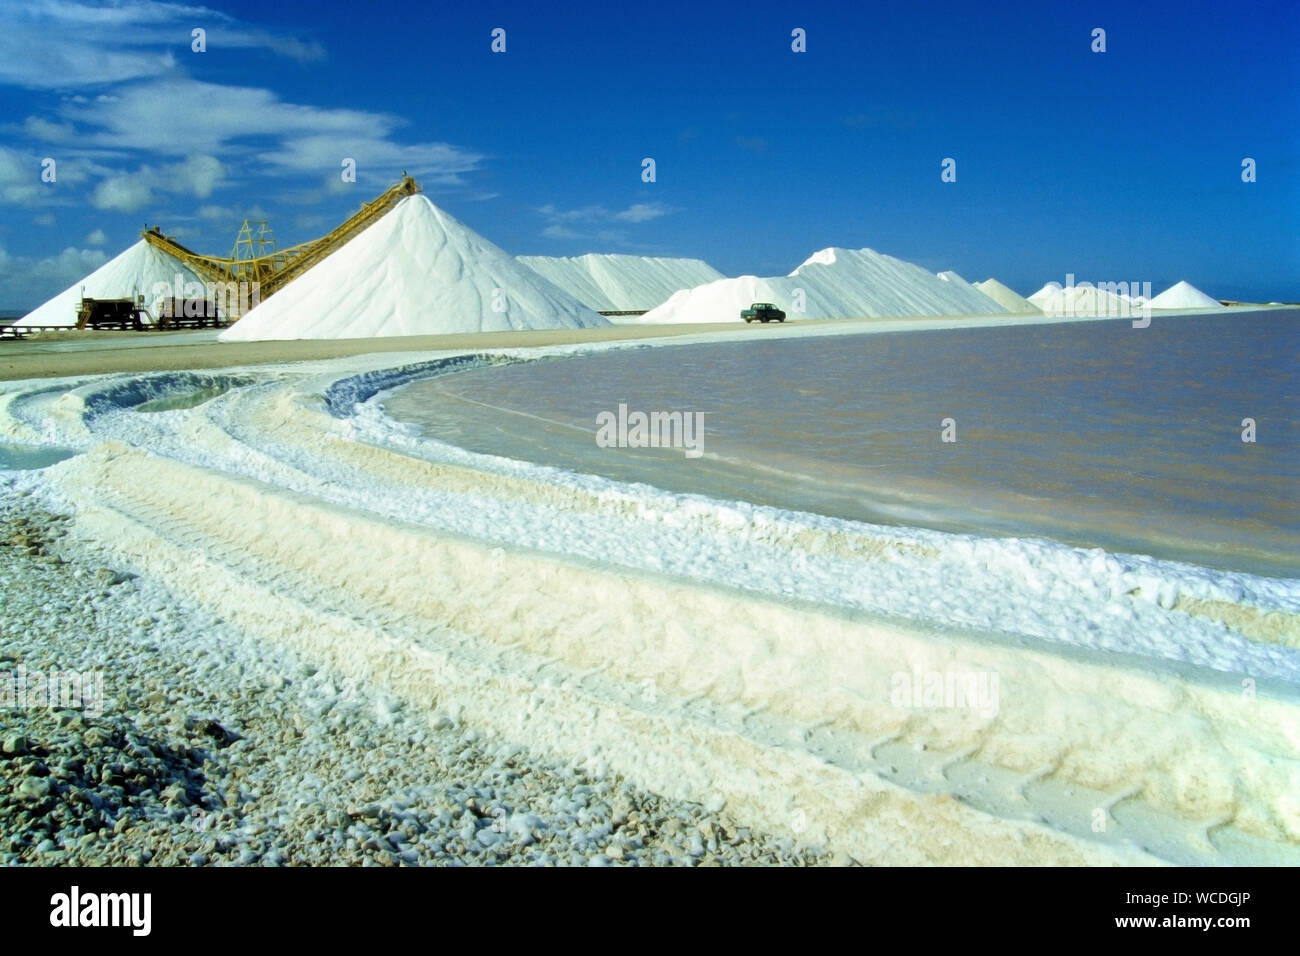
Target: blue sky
1116, 166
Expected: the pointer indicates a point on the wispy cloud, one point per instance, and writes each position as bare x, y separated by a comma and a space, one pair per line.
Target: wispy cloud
591, 219
20, 181
133, 125
248, 125
197, 176
26, 280
642, 212
61, 44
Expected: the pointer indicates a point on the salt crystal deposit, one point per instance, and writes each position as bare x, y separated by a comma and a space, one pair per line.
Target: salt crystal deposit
416, 271
1184, 295
140, 270
1008, 298
616, 283
833, 284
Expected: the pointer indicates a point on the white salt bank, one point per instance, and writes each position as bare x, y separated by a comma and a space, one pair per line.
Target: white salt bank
618, 283
136, 272
1184, 295
416, 271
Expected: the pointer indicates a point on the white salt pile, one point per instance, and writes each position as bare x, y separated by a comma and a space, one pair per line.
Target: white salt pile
140, 270
833, 284
617, 283
862, 282
417, 271
722, 300
1184, 295
1008, 298
1085, 300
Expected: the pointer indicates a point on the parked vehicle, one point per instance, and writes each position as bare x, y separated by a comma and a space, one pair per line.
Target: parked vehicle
763, 312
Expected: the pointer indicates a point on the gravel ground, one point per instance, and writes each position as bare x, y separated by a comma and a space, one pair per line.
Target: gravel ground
214, 748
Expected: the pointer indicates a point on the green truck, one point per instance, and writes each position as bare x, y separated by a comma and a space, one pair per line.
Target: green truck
763, 312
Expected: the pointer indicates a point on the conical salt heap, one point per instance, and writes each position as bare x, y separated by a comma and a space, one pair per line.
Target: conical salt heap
416, 271
140, 270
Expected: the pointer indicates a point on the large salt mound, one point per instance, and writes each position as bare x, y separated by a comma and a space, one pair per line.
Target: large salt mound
835, 284
846, 283
1008, 298
721, 300
417, 271
1083, 301
616, 283
137, 271
1184, 295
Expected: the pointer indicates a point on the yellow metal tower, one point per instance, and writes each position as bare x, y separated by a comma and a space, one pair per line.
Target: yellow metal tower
256, 258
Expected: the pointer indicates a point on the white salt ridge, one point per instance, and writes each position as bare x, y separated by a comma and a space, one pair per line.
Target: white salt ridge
618, 283
1006, 297
416, 271
836, 284
1184, 295
137, 271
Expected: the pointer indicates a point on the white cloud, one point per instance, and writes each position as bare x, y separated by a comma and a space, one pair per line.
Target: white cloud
20, 177
642, 212
45, 131
96, 238
65, 44
561, 232
132, 128
225, 121
196, 176
560, 222
127, 192
21, 183
26, 282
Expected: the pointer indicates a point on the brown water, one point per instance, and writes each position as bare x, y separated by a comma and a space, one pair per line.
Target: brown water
1095, 434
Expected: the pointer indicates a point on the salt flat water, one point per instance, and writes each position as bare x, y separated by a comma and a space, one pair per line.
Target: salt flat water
1095, 434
